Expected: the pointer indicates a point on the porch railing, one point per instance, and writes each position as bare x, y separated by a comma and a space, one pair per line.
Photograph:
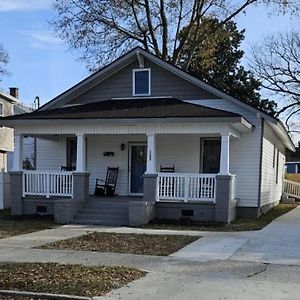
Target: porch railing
186, 187
292, 188
47, 183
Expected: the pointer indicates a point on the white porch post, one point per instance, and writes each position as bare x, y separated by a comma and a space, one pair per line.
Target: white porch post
224, 161
18, 153
81, 153
151, 154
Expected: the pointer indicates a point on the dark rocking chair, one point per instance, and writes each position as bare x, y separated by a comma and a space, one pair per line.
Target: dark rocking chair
107, 187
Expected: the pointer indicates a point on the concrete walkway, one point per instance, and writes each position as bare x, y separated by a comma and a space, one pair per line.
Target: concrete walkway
277, 243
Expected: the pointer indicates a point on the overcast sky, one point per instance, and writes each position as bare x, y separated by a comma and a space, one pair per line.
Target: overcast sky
41, 64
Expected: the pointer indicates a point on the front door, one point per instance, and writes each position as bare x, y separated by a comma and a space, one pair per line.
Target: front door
137, 167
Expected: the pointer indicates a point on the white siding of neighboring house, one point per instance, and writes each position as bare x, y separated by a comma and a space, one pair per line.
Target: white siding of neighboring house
270, 190
244, 153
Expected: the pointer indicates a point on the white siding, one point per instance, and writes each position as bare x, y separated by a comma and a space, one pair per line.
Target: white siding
244, 153
182, 151
270, 190
51, 153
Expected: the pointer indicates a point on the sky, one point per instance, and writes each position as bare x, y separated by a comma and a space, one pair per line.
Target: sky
42, 65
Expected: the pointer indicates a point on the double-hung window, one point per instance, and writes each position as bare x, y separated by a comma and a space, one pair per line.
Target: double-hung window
141, 82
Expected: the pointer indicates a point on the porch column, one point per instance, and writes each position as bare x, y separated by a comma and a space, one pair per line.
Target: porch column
18, 153
81, 153
151, 154
224, 161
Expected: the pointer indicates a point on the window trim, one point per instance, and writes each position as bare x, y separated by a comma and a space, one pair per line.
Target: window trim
1, 109
133, 81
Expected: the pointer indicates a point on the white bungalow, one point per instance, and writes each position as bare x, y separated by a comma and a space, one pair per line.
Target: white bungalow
182, 148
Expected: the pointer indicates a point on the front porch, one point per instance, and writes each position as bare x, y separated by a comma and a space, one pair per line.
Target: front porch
186, 192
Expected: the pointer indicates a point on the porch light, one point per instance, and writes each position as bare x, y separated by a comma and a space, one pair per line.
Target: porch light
122, 147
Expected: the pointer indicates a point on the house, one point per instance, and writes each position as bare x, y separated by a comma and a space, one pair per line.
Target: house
7, 103
141, 114
11, 105
293, 161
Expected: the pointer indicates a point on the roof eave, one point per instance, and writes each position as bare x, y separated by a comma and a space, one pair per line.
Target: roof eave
13, 123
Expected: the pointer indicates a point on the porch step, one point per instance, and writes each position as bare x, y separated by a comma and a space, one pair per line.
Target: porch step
100, 219
104, 212
103, 206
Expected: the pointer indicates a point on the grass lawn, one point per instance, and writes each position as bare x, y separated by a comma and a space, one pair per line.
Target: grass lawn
15, 225
237, 225
146, 244
65, 279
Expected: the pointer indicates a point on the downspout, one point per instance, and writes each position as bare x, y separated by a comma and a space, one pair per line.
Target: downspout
262, 129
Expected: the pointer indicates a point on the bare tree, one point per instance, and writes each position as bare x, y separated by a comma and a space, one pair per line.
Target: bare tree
104, 29
277, 65
3, 61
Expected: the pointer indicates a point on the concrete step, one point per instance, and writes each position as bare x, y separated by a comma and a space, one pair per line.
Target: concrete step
99, 222
112, 211
100, 219
100, 205
103, 215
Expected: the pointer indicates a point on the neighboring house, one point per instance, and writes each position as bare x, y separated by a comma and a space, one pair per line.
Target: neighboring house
293, 161
7, 103
10, 105
141, 114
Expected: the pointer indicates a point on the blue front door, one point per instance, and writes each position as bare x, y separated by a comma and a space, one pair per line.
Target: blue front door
138, 161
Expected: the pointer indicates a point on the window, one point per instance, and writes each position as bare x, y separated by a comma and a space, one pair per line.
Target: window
1, 110
210, 157
71, 152
291, 168
141, 82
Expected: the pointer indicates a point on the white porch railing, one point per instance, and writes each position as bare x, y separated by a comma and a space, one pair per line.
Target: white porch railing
47, 183
186, 187
292, 188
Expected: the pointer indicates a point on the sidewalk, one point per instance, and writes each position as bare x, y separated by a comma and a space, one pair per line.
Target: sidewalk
279, 242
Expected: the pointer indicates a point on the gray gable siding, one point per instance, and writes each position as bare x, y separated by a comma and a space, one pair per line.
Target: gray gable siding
163, 83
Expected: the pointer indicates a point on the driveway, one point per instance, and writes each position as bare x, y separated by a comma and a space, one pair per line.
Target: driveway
277, 243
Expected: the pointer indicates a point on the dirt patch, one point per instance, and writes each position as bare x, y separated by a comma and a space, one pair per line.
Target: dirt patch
146, 244
64, 279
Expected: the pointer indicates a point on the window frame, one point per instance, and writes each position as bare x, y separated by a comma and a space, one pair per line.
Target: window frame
133, 81
202, 141
1, 109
